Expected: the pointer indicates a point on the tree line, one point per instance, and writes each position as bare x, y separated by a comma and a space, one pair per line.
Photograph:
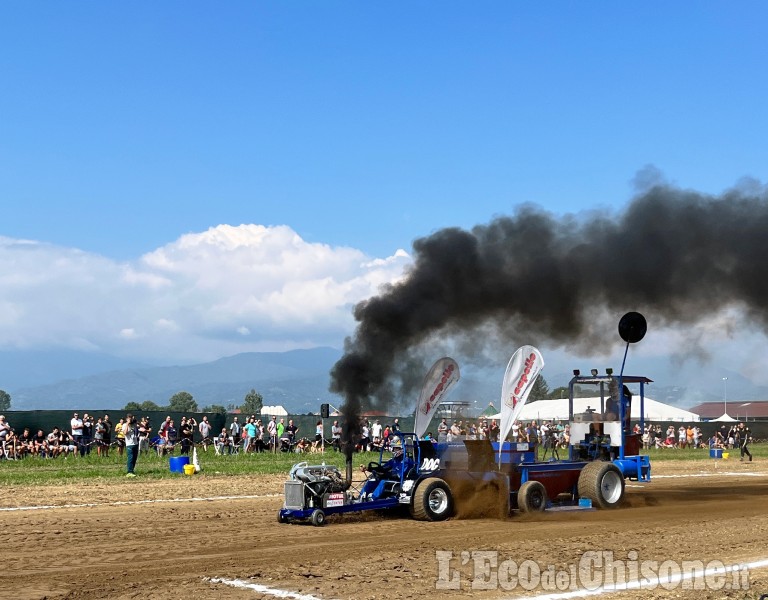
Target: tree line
184, 402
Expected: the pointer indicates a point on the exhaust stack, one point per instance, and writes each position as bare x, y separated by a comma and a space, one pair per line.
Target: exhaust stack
348, 450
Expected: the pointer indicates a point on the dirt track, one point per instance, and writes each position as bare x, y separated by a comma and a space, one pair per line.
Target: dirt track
168, 549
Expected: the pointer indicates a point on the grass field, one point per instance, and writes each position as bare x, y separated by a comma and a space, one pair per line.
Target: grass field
41, 471
663, 454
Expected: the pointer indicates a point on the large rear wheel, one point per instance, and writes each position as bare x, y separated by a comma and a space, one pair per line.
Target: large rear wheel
603, 483
532, 497
432, 500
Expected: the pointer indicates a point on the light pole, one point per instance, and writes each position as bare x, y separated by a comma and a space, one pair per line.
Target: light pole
725, 395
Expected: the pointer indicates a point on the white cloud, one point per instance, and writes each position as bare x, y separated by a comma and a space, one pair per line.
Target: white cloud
222, 291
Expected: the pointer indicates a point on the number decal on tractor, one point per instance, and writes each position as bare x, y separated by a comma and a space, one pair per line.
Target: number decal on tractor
430, 464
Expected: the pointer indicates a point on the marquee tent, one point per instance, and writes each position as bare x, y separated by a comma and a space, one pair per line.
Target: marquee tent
547, 410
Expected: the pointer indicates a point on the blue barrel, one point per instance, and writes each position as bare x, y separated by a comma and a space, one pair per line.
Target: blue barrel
178, 462
716, 453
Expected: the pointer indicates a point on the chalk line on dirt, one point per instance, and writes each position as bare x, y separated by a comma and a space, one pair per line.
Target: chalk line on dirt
133, 502
648, 583
719, 474
262, 589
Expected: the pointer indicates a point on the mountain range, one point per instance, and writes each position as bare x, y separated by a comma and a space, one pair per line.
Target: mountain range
297, 379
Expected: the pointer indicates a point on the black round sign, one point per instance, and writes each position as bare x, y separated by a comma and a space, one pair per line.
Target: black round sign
632, 327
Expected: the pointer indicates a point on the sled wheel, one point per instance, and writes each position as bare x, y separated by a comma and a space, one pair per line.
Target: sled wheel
603, 483
432, 500
318, 518
281, 518
532, 497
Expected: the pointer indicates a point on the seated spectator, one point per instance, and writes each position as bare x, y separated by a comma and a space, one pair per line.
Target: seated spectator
26, 445
40, 444
67, 443
224, 442
53, 443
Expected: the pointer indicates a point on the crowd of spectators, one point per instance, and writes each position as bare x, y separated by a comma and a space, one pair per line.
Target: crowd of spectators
89, 434
84, 435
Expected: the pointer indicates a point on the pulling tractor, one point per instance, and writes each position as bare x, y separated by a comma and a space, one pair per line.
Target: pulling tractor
431, 480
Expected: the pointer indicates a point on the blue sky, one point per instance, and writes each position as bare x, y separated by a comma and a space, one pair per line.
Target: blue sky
124, 127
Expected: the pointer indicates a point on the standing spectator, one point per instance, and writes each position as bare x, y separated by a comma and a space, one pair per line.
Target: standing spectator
671, 435
5, 430
173, 437
365, 439
532, 435
131, 434
396, 427
262, 440
454, 432
291, 430
235, 430
376, 429
744, 439
493, 431
280, 429
163, 427
107, 434
99, 431
442, 432
76, 424
87, 432
145, 434
250, 431
186, 433
336, 436
272, 431
319, 441
205, 432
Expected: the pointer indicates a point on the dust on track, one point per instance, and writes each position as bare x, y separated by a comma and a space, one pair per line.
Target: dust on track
167, 550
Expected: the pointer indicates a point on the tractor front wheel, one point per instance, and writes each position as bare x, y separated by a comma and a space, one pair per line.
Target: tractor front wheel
317, 518
532, 497
603, 483
432, 500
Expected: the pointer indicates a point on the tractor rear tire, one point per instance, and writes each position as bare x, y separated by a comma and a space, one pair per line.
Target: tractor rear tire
432, 500
317, 518
532, 497
603, 483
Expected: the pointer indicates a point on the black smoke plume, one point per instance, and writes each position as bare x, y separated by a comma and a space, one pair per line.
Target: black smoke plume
676, 256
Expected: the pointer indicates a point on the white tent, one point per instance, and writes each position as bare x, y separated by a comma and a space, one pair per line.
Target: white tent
726, 418
274, 411
547, 410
